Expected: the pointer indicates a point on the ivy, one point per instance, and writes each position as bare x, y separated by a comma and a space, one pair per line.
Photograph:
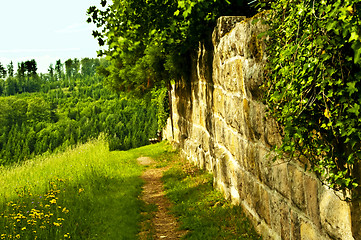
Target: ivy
312, 84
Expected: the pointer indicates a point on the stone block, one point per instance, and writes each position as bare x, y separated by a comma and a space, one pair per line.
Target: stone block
248, 128
280, 178
310, 232
232, 73
250, 190
265, 166
234, 114
263, 204
251, 159
218, 99
335, 216
275, 209
272, 136
311, 185
219, 131
253, 78
240, 153
256, 120
241, 184
295, 226
209, 162
224, 25
222, 167
285, 220
297, 188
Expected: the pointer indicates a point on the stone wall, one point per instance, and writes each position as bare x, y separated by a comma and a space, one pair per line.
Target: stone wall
219, 124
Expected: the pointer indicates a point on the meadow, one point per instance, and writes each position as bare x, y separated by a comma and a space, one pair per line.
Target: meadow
84, 193
89, 192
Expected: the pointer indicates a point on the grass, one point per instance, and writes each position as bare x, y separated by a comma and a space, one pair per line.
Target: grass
83, 193
91, 193
202, 210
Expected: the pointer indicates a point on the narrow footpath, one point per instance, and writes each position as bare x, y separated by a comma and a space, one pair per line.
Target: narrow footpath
161, 224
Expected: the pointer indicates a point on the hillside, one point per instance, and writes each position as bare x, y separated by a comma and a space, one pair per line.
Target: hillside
42, 113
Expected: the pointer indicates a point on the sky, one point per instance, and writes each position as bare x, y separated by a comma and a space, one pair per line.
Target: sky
45, 30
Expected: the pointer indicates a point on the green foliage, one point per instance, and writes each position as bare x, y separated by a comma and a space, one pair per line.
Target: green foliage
149, 41
160, 99
313, 82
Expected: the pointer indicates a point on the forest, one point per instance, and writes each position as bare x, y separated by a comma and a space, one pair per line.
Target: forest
69, 105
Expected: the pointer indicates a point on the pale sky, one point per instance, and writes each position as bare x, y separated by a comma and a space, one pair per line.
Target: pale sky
45, 30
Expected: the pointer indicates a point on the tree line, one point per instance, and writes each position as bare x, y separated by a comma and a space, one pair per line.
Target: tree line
50, 112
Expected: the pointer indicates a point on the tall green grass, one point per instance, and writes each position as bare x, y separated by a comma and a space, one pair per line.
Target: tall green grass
84, 193
202, 210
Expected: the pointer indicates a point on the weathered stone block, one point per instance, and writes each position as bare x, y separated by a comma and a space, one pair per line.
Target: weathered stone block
256, 120
313, 211
234, 114
250, 190
240, 154
275, 207
219, 131
219, 99
335, 216
248, 129
265, 166
285, 220
241, 184
252, 159
253, 78
232, 73
272, 136
297, 187
224, 25
310, 232
280, 179
263, 205
295, 226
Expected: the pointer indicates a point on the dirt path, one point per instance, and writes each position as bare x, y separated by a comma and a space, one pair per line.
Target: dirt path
161, 225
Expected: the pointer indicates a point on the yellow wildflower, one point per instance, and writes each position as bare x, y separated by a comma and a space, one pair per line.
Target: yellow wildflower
56, 224
81, 190
23, 228
53, 201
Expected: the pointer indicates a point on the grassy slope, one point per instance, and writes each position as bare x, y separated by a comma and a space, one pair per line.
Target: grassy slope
99, 188
91, 193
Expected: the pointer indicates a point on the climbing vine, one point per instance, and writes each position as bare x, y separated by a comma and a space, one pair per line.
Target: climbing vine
313, 84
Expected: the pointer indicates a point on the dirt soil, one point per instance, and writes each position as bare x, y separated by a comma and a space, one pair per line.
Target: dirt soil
161, 224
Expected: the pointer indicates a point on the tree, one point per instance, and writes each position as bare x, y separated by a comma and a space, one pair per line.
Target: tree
51, 72
59, 69
2, 71
149, 41
10, 69
31, 67
10, 86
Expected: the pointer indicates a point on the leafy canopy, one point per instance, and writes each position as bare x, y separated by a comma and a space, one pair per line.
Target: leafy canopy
313, 84
148, 41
